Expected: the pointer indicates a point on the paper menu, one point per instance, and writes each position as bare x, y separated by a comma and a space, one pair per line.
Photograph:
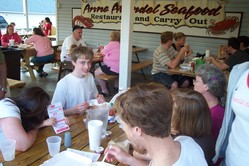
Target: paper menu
56, 111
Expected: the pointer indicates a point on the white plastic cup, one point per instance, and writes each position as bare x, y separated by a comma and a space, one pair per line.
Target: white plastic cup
207, 53
54, 144
99, 112
8, 148
11, 42
94, 133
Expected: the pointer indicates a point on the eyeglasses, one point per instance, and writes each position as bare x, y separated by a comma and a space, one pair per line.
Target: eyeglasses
211, 79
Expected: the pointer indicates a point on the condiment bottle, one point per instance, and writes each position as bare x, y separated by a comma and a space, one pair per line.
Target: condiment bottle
67, 139
111, 117
192, 66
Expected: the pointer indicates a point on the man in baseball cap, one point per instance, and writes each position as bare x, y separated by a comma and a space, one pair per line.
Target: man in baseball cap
74, 39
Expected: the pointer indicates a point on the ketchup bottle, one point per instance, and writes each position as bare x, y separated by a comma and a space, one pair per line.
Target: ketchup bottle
111, 117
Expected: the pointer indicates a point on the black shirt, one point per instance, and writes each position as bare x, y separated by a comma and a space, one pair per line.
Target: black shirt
237, 58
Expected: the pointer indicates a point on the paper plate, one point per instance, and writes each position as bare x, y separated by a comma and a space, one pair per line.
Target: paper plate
98, 163
185, 66
94, 102
67, 158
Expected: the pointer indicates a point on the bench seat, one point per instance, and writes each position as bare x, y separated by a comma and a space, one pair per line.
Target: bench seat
15, 83
134, 67
38, 64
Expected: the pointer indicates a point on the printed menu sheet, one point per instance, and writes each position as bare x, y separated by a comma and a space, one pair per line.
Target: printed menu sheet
56, 111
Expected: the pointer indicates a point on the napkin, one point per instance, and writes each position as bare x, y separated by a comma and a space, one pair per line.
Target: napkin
125, 145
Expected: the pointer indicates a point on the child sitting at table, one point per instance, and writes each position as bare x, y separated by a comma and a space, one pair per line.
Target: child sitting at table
21, 117
191, 117
77, 88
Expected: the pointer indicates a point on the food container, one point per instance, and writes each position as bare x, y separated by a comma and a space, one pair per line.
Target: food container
99, 150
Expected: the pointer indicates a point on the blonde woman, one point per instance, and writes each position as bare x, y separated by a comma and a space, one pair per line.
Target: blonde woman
111, 53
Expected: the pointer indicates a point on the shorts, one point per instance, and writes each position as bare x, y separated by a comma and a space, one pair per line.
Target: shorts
167, 80
105, 69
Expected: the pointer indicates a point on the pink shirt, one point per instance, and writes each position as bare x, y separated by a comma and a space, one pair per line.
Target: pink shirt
217, 114
6, 37
42, 45
112, 55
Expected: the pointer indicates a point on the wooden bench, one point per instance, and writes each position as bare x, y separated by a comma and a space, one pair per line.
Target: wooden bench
36, 65
134, 67
15, 83
30, 52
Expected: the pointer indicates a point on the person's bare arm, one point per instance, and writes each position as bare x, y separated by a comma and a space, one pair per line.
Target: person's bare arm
116, 153
78, 109
174, 62
220, 65
12, 128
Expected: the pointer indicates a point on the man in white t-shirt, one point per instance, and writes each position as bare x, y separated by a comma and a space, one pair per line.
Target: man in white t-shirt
145, 113
74, 39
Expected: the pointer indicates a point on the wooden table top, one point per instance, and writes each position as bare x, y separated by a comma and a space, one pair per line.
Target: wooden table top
38, 153
138, 49
181, 72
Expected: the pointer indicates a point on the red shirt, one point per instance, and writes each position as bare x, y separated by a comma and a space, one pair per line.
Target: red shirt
48, 29
6, 37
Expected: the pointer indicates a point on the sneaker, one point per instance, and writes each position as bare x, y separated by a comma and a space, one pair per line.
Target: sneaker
43, 74
24, 69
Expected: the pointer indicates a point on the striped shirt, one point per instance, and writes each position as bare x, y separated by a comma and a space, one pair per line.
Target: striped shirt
161, 58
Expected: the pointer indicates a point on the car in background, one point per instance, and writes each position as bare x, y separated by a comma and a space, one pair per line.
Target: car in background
3, 22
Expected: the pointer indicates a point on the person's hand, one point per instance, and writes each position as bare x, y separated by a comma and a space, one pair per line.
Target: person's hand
100, 48
190, 52
184, 50
100, 98
81, 108
209, 59
49, 122
116, 153
67, 121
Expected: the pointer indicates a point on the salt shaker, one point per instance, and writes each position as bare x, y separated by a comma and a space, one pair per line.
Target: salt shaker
67, 139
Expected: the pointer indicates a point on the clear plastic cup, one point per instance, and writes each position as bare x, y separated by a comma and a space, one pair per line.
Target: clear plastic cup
54, 144
8, 148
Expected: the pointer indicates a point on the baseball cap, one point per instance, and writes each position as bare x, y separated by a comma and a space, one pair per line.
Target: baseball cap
77, 27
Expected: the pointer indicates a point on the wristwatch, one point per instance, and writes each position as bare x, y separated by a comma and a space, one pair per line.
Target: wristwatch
4, 89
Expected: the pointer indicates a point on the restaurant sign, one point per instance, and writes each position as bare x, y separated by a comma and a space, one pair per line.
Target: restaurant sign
193, 17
